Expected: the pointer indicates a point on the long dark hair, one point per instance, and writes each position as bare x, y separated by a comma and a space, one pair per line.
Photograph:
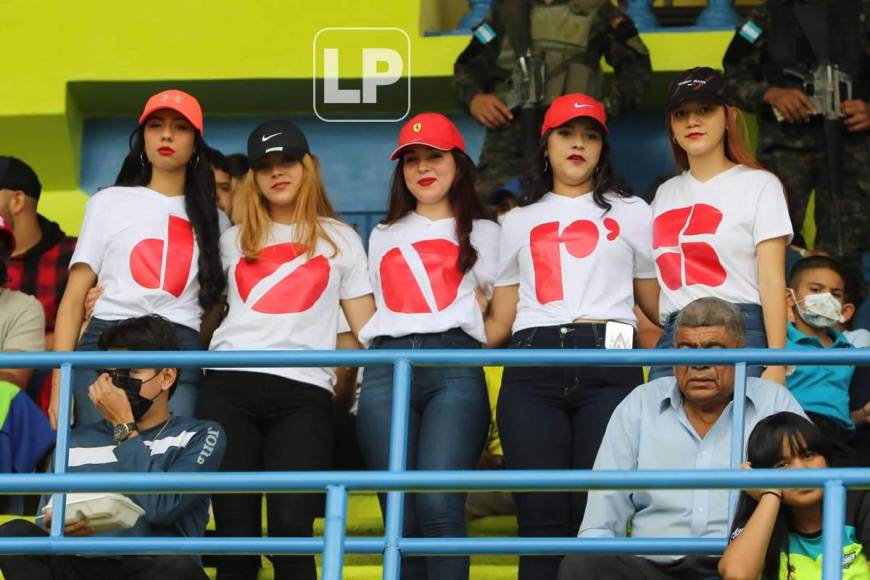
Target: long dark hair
463, 201
538, 176
764, 450
199, 201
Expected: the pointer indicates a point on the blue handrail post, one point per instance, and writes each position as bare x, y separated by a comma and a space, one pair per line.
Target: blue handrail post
61, 450
738, 428
833, 521
334, 527
397, 463
718, 14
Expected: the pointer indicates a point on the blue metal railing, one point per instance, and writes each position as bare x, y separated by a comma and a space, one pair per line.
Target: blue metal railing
397, 481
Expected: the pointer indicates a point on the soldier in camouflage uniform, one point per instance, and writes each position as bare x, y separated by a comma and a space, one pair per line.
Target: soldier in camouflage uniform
572, 36
766, 44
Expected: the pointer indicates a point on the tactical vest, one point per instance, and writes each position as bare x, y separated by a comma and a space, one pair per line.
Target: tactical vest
788, 46
560, 35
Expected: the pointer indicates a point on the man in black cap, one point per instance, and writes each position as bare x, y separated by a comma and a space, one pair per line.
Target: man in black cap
40, 263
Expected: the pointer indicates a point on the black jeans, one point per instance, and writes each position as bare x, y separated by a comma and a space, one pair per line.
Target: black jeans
626, 567
555, 418
272, 424
63, 567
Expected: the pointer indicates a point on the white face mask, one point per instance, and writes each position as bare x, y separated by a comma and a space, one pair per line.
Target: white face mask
820, 310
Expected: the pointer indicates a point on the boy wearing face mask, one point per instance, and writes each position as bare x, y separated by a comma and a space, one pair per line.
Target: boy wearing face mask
136, 434
815, 297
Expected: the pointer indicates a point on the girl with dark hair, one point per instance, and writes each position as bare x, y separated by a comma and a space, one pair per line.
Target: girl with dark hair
291, 266
151, 242
777, 533
573, 262
428, 260
720, 227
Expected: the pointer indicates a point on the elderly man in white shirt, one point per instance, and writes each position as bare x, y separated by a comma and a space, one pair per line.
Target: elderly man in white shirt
679, 422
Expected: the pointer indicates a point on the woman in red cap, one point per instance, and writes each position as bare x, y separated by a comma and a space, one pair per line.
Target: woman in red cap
722, 225
428, 260
291, 265
151, 242
573, 262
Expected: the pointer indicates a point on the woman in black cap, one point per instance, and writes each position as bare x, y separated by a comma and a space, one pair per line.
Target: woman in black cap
290, 265
720, 227
151, 242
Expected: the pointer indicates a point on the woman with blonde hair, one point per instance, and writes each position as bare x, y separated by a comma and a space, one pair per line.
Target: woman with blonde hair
720, 228
290, 266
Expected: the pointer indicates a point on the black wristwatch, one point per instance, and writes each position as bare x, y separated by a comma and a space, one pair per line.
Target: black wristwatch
123, 431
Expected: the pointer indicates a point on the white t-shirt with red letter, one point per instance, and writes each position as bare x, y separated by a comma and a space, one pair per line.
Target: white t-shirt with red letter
418, 286
705, 235
142, 247
285, 300
573, 259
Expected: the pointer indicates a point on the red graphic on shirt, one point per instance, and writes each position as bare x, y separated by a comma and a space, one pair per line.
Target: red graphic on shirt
295, 292
580, 239
698, 259
146, 259
403, 292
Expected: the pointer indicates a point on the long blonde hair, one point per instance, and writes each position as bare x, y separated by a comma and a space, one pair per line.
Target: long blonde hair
312, 206
736, 137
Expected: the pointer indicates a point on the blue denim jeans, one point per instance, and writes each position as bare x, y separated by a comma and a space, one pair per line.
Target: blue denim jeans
755, 338
447, 428
183, 400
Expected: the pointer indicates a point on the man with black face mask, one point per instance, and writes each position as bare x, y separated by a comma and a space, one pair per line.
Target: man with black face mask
137, 434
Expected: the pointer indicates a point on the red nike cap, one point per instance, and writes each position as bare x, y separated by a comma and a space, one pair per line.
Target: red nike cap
572, 106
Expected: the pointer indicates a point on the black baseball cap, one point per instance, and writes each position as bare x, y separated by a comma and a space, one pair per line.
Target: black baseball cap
276, 137
19, 176
697, 84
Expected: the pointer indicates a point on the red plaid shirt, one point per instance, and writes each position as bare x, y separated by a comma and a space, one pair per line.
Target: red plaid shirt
42, 271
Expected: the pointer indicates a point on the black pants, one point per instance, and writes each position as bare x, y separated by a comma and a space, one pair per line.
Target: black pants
272, 424
555, 418
62, 567
625, 567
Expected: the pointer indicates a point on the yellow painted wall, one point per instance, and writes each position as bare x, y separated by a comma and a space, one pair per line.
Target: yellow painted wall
97, 44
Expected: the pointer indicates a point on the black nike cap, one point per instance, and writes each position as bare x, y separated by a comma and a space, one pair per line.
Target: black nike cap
283, 137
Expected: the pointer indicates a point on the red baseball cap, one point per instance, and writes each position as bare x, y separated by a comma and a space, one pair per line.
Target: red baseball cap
178, 101
431, 129
7, 235
571, 106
